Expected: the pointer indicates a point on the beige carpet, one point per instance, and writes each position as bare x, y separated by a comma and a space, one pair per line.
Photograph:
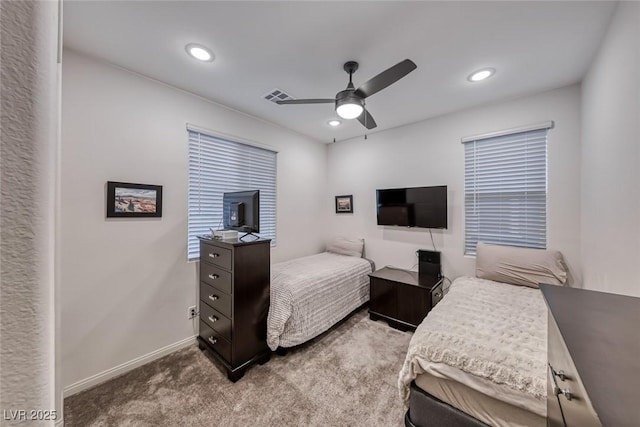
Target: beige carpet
345, 377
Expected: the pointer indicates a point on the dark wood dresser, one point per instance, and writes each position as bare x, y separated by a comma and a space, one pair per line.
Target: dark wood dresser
401, 297
594, 358
234, 302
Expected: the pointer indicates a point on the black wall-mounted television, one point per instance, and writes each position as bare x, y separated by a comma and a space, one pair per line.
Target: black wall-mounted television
424, 207
241, 211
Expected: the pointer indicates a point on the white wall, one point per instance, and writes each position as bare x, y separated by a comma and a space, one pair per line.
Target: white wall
126, 282
28, 150
611, 159
430, 153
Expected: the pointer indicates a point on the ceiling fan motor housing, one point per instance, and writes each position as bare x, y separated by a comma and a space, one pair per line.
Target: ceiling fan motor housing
348, 97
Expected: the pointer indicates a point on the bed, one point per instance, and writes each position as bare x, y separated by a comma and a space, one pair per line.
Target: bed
311, 294
480, 356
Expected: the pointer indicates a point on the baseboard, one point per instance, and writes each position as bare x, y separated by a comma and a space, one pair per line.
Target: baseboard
126, 367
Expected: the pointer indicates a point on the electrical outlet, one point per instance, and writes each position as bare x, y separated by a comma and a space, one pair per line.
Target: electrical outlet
193, 312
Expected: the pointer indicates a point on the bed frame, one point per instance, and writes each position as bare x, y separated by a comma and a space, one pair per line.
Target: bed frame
426, 410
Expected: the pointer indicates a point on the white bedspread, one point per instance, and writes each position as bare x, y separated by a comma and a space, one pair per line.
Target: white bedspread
313, 293
489, 331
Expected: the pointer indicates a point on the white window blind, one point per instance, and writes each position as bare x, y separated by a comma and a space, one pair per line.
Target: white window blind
505, 190
218, 166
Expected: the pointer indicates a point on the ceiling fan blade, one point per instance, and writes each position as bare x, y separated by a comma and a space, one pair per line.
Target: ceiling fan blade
307, 101
386, 78
366, 120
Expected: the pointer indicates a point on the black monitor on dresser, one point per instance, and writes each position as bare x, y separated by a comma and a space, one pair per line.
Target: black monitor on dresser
241, 211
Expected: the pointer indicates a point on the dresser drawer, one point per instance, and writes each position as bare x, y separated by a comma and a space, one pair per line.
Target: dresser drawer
215, 277
216, 320
215, 298
216, 255
565, 385
215, 341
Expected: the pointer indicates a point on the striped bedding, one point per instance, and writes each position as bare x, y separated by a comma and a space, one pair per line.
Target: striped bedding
313, 293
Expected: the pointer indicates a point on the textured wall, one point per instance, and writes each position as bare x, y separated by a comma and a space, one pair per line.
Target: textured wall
29, 120
610, 157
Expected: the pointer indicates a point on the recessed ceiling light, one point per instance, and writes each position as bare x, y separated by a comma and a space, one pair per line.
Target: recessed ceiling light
480, 75
334, 123
199, 52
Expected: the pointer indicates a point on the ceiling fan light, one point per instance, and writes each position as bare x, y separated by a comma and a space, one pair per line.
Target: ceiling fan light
349, 111
348, 105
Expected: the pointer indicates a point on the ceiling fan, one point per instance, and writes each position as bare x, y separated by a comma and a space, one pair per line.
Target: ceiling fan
350, 102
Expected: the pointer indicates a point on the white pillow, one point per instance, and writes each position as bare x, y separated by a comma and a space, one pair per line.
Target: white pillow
520, 266
346, 246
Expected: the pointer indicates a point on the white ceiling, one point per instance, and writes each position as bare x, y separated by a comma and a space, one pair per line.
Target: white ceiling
300, 47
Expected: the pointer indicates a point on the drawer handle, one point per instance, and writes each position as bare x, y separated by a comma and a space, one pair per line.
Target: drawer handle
560, 374
213, 319
212, 340
213, 276
213, 297
554, 387
213, 255
563, 391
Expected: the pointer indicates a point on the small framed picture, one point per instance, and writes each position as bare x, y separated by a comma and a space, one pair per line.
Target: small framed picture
133, 200
344, 204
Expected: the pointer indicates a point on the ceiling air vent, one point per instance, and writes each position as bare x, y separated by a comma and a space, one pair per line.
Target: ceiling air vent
277, 95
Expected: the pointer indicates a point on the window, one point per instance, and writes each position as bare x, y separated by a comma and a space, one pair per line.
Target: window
218, 166
505, 188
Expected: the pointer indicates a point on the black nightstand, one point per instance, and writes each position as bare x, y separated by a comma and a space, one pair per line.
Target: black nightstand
401, 298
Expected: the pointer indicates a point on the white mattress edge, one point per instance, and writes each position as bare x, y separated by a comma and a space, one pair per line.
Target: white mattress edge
487, 387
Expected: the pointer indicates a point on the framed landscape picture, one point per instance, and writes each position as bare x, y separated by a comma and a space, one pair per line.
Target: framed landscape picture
133, 200
344, 204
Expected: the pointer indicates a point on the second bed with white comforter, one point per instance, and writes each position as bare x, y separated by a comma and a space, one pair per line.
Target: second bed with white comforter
484, 339
313, 293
